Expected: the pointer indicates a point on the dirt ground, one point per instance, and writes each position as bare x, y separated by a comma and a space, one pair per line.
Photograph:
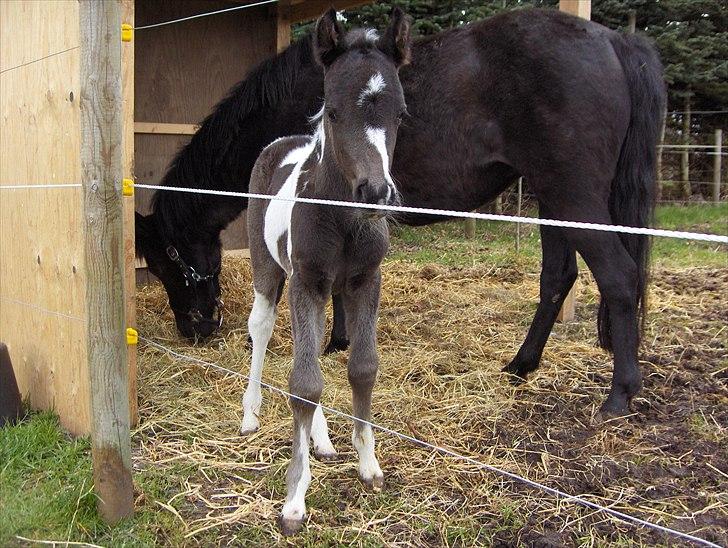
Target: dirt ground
444, 334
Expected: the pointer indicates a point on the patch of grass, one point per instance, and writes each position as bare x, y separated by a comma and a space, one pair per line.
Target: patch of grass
46, 491
495, 242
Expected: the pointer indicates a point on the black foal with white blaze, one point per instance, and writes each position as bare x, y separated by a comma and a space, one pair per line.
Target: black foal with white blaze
324, 249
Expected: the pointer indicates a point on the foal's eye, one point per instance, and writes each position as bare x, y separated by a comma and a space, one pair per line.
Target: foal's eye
401, 115
331, 113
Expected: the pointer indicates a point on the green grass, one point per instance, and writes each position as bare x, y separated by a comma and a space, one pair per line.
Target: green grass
495, 242
46, 491
45, 476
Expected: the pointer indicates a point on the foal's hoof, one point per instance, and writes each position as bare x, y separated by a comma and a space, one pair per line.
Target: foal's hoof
248, 429
610, 413
336, 345
291, 526
375, 484
326, 456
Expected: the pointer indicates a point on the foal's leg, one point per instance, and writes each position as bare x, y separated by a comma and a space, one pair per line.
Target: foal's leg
306, 381
260, 327
338, 340
558, 274
361, 306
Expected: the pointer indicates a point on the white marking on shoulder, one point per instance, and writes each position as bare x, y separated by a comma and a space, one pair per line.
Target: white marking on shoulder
375, 85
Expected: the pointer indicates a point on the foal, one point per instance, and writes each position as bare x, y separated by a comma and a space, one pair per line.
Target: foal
323, 248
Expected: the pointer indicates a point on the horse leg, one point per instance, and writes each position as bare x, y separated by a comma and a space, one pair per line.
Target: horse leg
558, 274
260, 328
338, 340
305, 382
616, 275
361, 313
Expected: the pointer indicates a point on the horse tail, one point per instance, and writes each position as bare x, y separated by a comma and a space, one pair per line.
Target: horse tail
632, 197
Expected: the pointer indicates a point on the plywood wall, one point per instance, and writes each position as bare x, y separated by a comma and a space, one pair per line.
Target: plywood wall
42, 284
183, 70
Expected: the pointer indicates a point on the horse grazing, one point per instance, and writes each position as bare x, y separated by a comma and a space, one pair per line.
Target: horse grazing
571, 106
324, 249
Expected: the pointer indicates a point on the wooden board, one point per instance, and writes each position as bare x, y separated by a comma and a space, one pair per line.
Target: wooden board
42, 281
127, 92
189, 67
165, 129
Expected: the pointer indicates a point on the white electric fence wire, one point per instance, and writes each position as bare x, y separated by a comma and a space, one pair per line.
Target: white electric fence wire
41, 309
717, 238
551, 490
206, 14
452, 214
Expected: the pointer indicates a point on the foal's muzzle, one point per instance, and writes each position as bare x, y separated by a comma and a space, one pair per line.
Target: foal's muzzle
382, 193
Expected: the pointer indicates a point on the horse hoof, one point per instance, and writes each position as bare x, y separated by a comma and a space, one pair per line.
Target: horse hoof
336, 345
515, 375
326, 456
248, 430
375, 484
290, 526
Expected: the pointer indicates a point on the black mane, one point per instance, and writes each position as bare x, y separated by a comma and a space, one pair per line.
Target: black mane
209, 160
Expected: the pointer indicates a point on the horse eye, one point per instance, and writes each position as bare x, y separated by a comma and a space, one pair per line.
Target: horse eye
332, 115
402, 114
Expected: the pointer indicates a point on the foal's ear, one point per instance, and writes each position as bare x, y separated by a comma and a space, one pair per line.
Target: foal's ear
328, 39
396, 41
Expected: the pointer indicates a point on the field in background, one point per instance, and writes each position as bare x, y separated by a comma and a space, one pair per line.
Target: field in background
454, 311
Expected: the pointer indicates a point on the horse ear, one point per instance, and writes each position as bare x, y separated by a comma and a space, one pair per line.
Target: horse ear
396, 42
328, 39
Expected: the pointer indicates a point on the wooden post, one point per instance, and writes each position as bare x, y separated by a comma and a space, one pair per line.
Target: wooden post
518, 214
631, 21
581, 8
101, 169
659, 155
470, 228
716, 164
127, 93
685, 155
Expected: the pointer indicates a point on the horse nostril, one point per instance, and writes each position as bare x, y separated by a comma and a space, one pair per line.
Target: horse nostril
360, 192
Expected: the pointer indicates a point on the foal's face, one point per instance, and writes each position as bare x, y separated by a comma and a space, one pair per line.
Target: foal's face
364, 107
364, 101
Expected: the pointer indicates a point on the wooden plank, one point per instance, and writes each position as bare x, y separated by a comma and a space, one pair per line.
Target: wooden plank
101, 174
42, 279
127, 94
39, 28
188, 67
580, 8
165, 129
717, 164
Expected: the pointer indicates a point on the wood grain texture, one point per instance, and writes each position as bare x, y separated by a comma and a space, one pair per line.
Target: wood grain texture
101, 174
42, 278
127, 94
187, 69
165, 129
38, 29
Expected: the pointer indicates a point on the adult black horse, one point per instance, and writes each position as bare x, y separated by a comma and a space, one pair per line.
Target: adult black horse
571, 106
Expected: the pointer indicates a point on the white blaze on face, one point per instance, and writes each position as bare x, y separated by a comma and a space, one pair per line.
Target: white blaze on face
375, 86
378, 137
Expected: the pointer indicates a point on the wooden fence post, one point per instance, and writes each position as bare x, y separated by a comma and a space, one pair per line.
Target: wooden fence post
717, 164
582, 8
687, 191
101, 167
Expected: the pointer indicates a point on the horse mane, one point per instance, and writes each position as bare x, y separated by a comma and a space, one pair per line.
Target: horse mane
201, 163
